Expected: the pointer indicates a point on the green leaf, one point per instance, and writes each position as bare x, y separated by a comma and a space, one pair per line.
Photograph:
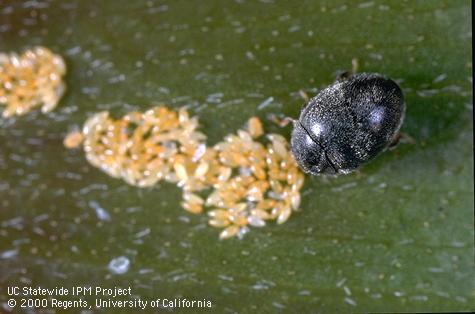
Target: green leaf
395, 236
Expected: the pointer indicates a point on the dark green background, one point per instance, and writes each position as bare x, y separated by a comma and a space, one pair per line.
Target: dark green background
396, 236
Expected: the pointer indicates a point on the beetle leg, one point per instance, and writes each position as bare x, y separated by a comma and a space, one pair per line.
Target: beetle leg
406, 138
304, 95
354, 65
348, 74
394, 141
343, 76
281, 121
403, 138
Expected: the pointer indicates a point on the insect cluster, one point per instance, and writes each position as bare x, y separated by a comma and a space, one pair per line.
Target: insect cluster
245, 180
30, 80
140, 148
240, 181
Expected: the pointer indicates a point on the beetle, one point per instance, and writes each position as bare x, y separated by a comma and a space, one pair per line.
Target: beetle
347, 124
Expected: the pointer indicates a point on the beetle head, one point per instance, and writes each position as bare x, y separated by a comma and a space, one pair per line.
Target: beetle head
309, 155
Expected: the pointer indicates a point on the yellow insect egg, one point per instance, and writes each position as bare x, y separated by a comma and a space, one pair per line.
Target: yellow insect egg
73, 140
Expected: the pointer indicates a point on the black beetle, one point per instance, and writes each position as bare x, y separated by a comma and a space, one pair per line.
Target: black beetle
347, 124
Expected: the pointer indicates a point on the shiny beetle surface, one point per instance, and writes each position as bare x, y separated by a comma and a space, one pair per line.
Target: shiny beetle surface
347, 124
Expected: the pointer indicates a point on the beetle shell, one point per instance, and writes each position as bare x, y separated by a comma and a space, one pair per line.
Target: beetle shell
347, 124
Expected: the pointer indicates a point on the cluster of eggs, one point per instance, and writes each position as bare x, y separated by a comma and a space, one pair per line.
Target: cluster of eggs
140, 148
30, 80
240, 181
